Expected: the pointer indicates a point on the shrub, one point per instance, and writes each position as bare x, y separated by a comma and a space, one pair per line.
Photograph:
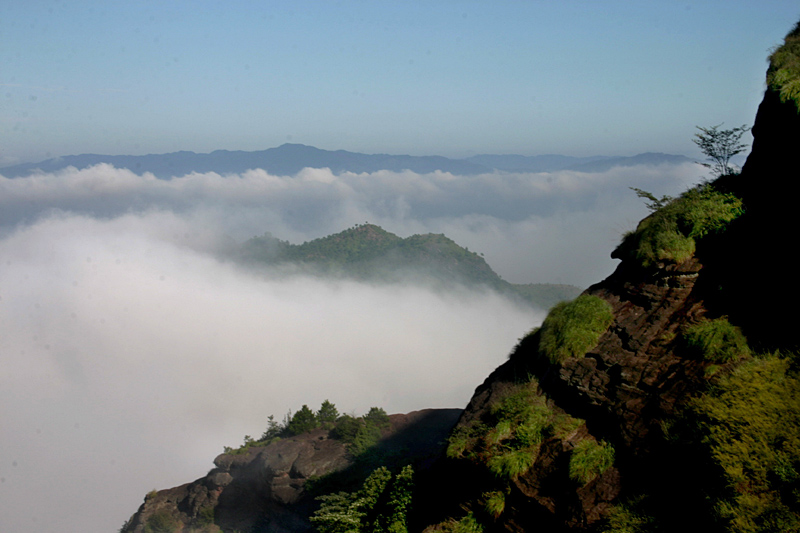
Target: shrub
512, 463
499, 433
784, 71
589, 459
716, 340
495, 503
626, 518
303, 421
205, 516
572, 328
400, 501
747, 425
466, 524
381, 504
161, 522
507, 439
361, 433
670, 233
377, 417
521, 420
327, 414
462, 437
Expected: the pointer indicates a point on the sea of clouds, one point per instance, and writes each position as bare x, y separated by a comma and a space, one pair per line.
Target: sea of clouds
131, 352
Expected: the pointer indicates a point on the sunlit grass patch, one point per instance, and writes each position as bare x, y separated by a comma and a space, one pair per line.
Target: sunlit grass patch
572, 328
589, 459
670, 234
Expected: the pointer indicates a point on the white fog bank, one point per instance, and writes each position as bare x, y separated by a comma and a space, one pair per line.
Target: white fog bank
532, 228
129, 360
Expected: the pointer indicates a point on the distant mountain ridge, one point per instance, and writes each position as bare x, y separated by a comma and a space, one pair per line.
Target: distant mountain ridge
289, 159
369, 253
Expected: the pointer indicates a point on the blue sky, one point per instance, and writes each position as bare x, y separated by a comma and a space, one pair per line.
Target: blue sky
448, 78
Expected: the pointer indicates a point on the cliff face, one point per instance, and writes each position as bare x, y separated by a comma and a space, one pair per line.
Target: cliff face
620, 393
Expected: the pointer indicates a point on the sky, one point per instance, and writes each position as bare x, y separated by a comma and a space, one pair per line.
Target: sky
132, 351
445, 78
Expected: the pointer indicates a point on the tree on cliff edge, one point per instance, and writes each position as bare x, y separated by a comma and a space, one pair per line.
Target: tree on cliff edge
719, 146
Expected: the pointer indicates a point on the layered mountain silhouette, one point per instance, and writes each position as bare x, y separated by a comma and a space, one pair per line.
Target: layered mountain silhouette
289, 159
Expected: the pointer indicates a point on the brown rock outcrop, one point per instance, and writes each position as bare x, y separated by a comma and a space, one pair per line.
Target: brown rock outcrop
264, 487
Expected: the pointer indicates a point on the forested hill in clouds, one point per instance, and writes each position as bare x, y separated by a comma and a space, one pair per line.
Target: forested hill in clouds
369, 253
289, 159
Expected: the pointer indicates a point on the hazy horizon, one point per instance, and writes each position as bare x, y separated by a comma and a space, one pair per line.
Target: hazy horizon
451, 78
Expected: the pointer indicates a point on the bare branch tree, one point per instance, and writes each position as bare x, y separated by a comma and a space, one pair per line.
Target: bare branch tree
719, 146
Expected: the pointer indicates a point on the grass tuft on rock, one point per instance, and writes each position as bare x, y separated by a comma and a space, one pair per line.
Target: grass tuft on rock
495, 503
572, 328
670, 234
784, 70
589, 459
466, 524
717, 341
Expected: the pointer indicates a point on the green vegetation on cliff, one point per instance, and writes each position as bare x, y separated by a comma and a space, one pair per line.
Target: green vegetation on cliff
359, 433
507, 440
784, 71
671, 232
572, 328
747, 425
380, 505
589, 459
715, 340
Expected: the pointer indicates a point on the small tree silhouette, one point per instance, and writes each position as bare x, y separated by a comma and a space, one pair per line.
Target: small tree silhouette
719, 146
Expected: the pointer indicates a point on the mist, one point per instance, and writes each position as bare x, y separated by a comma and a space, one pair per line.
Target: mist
532, 228
132, 351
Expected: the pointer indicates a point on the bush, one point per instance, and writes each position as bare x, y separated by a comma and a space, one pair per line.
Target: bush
462, 438
572, 328
495, 503
303, 421
162, 522
205, 516
507, 438
377, 417
327, 414
716, 340
589, 459
521, 420
381, 504
512, 463
628, 519
466, 524
747, 425
361, 433
670, 233
784, 71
